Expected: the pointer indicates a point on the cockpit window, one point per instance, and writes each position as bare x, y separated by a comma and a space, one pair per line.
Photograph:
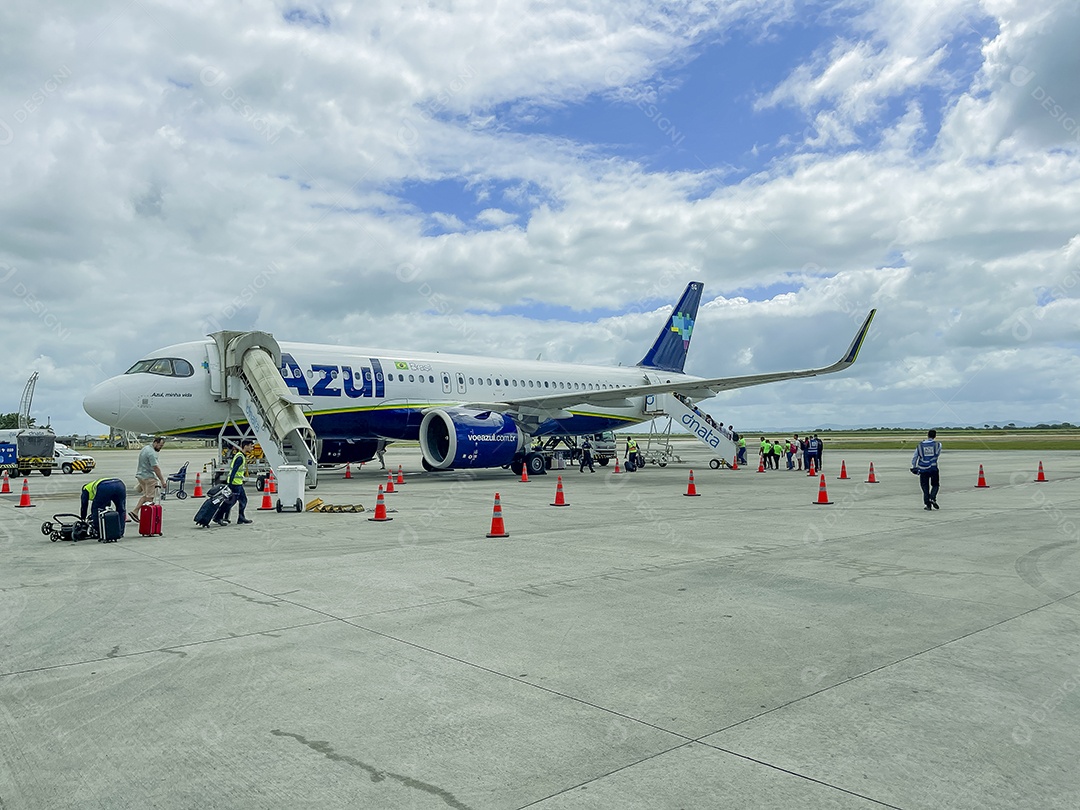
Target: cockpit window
165, 366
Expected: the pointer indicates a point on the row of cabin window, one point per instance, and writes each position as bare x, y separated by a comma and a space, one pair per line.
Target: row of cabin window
501, 382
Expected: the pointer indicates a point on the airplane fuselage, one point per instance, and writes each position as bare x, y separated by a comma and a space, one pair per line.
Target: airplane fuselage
358, 392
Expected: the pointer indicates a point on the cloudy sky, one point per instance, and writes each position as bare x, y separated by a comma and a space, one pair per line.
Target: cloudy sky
543, 178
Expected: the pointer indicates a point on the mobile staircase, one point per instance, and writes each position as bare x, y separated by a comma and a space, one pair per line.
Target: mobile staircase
681, 409
248, 365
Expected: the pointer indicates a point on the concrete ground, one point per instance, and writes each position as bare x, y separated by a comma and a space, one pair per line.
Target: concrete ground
637, 649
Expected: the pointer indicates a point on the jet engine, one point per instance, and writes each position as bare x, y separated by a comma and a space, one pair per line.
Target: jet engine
452, 437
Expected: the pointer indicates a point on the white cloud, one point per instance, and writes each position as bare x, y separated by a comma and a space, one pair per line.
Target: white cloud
174, 169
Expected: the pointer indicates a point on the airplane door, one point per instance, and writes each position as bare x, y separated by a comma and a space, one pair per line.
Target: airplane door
460, 383
213, 366
446, 383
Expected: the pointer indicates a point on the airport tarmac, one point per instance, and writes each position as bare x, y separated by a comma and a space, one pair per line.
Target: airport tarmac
747, 648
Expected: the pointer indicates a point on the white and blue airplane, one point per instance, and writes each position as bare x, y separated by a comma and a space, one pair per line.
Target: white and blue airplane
466, 412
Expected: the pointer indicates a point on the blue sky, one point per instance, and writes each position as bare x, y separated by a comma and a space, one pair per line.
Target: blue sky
483, 178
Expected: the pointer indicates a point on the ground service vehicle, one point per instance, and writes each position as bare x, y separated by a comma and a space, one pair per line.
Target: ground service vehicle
70, 461
27, 449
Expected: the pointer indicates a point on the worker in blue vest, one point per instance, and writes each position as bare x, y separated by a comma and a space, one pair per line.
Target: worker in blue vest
235, 482
925, 464
99, 494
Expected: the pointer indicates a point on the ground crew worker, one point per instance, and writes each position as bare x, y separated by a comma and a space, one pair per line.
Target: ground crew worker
586, 456
99, 494
235, 481
742, 450
632, 452
925, 463
813, 453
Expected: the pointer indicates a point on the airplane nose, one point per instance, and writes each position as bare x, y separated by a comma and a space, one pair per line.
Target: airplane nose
103, 402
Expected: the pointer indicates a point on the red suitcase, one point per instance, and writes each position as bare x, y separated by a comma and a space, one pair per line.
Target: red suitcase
150, 520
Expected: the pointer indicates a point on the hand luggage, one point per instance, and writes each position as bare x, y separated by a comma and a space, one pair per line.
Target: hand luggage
110, 526
630, 466
210, 506
150, 520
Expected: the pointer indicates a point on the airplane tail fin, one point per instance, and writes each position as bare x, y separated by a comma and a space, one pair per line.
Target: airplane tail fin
668, 352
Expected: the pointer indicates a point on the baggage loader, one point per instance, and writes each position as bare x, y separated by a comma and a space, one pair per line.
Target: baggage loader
150, 520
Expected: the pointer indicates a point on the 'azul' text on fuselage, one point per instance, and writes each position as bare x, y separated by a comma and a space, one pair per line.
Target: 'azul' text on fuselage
334, 381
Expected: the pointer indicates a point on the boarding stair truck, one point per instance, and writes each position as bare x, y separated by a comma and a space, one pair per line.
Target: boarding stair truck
245, 370
27, 449
683, 411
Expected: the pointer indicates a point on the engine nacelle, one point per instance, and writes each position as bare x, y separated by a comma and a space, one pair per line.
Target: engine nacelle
468, 439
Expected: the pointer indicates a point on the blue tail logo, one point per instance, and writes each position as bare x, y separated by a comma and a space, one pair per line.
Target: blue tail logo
668, 352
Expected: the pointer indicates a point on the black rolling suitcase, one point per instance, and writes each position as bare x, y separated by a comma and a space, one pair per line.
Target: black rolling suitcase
110, 526
209, 509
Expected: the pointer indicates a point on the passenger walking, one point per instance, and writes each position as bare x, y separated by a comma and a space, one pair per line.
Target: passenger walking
925, 464
148, 473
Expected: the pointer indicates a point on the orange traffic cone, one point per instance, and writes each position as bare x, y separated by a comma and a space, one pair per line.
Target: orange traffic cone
690, 488
272, 482
871, 478
25, 499
822, 495
982, 479
400, 476
380, 508
389, 482
267, 504
524, 474
616, 470
811, 472
348, 470
843, 476
560, 499
1039, 479
497, 527
197, 492
761, 465
6, 488
735, 463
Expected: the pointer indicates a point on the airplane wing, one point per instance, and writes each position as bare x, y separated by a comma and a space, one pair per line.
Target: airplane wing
531, 410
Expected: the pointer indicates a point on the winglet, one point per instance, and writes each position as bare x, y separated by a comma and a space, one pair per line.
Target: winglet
668, 352
856, 344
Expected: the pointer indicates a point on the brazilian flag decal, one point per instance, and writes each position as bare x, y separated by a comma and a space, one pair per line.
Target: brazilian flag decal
401, 365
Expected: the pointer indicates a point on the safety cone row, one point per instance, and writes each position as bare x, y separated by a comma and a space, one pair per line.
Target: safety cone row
198, 491
5, 489
982, 480
560, 498
823, 494
400, 476
1041, 477
690, 488
389, 482
871, 478
843, 476
380, 509
498, 529
24, 500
